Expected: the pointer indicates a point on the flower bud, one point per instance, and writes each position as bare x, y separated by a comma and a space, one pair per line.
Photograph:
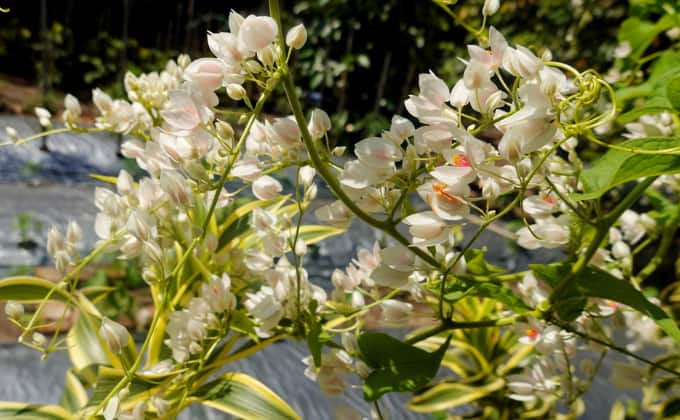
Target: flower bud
252, 66
73, 109
12, 133
620, 250
319, 123
43, 117
224, 129
61, 261
115, 335
39, 340
490, 7
183, 60
55, 241
267, 55
296, 37
236, 91
339, 151
141, 224
74, 233
307, 175
300, 247
266, 188
125, 184
102, 101
14, 310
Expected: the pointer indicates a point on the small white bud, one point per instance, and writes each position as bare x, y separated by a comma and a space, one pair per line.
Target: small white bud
55, 241
300, 247
620, 250
43, 117
224, 129
61, 261
339, 151
490, 7
115, 335
253, 66
319, 123
12, 133
74, 233
307, 174
183, 61
14, 310
267, 56
236, 91
296, 37
39, 340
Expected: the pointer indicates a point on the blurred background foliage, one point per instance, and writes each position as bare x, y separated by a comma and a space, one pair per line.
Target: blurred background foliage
362, 59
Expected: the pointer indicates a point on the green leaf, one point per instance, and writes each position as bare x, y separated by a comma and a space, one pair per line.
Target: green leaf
671, 408
397, 366
640, 34
673, 92
476, 263
23, 411
243, 397
617, 167
30, 289
445, 396
500, 293
593, 282
654, 105
141, 388
571, 301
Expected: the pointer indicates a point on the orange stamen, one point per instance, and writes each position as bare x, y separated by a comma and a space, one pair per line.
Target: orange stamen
439, 189
532, 333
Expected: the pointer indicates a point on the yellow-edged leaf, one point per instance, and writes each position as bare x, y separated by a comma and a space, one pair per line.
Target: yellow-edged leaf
30, 289
449, 395
244, 397
23, 411
141, 388
75, 396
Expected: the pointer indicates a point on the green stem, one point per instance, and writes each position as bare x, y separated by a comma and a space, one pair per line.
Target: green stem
133, 369
616, 348
447, 325
324, 170
602, 231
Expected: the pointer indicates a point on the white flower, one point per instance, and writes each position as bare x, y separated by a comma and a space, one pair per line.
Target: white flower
257, 32
208, 73
427, 228
114, 335
377, 152
398, 258
266, 188
395, 312
296, 37
74, 233
447, 201
549, 233
265, 308
335, 214
218, 294
521, 62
